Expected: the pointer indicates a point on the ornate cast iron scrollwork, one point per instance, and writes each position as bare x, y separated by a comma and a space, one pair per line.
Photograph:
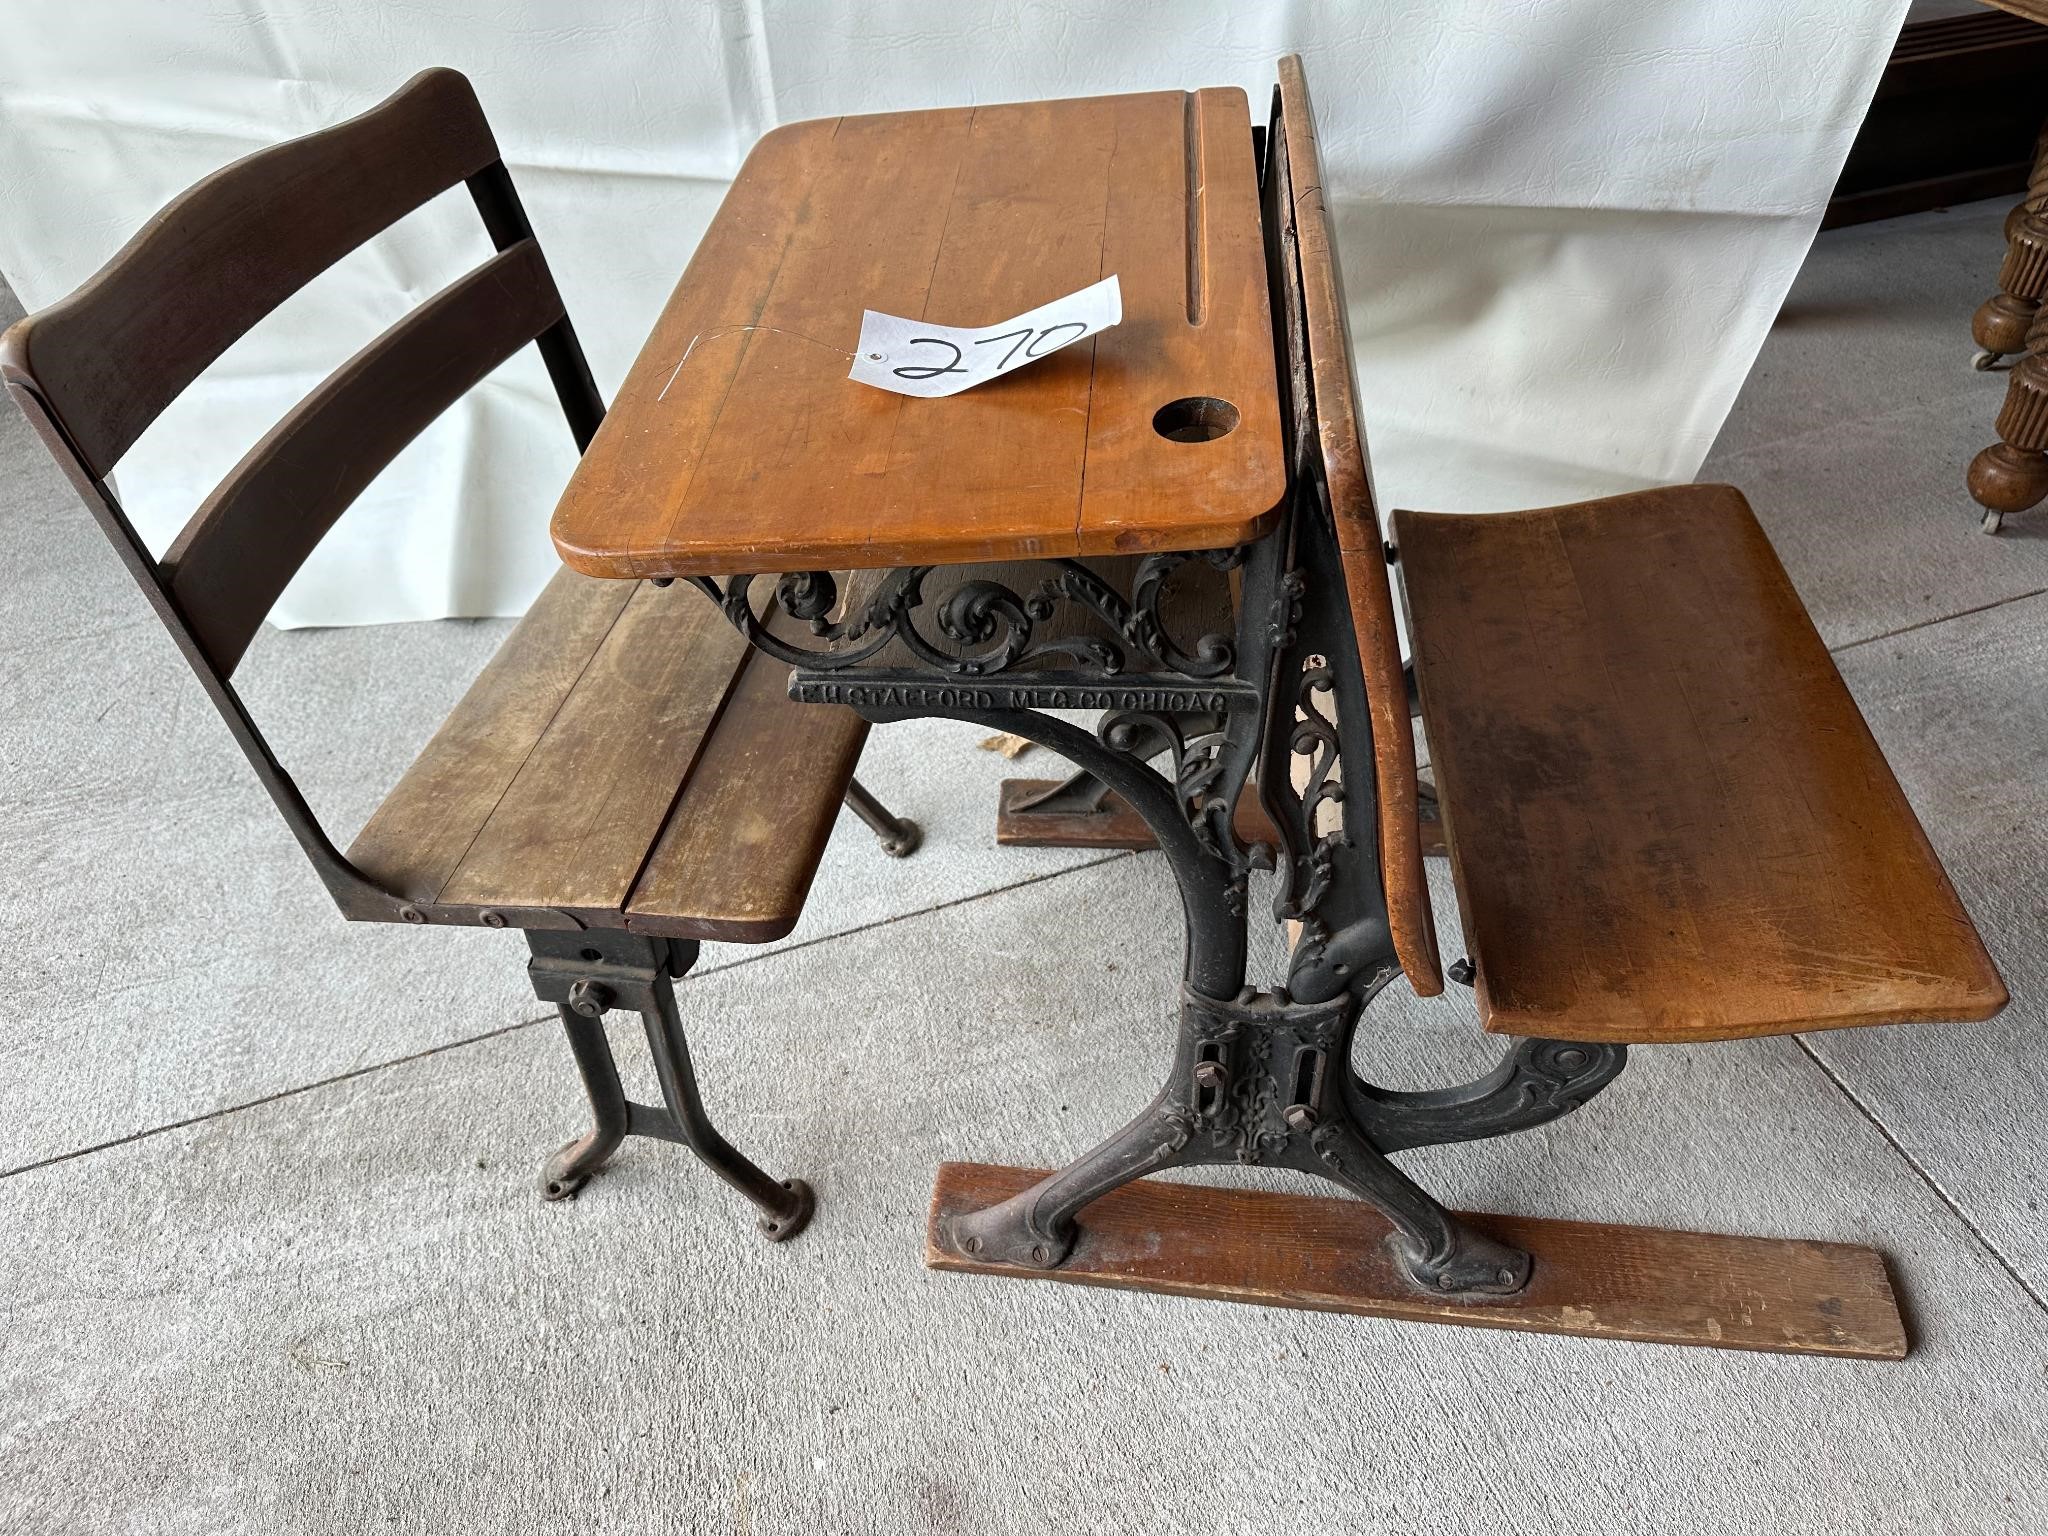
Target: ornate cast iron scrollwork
1317, 727
1202, 784
1307, 875
991, 627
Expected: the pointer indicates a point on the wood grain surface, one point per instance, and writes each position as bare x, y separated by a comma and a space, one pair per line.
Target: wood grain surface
1318, 1254
738, 442
248, 539
1666, 817
1115, 825
1296, 204
625, 760
219, 257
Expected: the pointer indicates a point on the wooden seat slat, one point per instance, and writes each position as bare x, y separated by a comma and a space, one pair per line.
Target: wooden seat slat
736, 859
573, 827
1667, 819
413, 842
622, 734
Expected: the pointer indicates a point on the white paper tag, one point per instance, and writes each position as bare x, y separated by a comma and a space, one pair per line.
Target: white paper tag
915, 357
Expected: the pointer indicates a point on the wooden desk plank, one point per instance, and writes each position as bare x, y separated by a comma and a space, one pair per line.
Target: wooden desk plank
1049, 163
738, 442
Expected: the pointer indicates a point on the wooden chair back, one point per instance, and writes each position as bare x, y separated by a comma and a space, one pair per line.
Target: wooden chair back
1329, 451
92, 371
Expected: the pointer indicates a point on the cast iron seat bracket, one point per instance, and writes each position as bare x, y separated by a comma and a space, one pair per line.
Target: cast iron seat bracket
587, 974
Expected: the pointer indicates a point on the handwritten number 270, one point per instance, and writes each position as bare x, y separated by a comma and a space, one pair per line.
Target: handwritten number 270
1033, 343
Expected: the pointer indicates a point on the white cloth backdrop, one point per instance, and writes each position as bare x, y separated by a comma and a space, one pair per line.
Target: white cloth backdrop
1566, 224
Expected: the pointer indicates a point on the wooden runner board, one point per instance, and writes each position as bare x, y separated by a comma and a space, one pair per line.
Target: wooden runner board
1116, 825
738, 443
1641, 1284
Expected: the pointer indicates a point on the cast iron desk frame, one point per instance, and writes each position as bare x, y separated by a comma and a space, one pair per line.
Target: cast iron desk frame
1260, 1075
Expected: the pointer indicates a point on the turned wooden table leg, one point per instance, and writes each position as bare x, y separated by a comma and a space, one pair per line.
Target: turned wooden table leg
2012, 474
2036, 198
2001, 322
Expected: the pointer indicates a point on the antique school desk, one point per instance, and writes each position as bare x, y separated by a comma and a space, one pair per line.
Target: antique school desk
1667, 820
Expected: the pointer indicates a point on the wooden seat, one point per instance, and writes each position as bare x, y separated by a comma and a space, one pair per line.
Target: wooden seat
625, 760
1666, 817
593, 775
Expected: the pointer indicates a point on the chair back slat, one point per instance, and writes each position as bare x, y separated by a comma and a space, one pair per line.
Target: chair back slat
1338, 447
249, 538
224, 254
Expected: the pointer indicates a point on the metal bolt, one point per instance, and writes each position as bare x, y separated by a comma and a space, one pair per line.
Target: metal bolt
491, 919
590, 998
1211, 1074
1300, 1116
1446, 1282
412, 914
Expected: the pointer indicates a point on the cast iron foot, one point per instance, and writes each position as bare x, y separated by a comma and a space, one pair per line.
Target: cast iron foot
1476, 1267
1004, 1234
780, 1225
562, 1175
899, 836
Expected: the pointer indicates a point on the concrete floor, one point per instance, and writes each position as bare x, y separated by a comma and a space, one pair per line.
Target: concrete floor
278, 1265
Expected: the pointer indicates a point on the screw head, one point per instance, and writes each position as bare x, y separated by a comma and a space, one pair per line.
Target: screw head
412, 915
1040, 1254
590, 998
491, 919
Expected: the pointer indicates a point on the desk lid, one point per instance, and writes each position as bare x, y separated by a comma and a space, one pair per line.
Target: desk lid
738, 443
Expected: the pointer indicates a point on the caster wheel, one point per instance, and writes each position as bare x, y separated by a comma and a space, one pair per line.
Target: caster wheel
1986, 362
1993, 521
